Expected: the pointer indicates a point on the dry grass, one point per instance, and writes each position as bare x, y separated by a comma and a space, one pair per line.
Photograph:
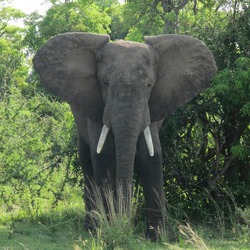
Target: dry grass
192, 237
114, 217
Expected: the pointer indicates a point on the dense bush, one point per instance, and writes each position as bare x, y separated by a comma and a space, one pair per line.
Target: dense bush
37, 153
205, 144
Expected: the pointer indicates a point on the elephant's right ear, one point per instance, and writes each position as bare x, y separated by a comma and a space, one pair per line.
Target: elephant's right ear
67, 67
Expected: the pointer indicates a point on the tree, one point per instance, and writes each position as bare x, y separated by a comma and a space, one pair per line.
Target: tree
206, 143
13, 70
29, 155
67, 16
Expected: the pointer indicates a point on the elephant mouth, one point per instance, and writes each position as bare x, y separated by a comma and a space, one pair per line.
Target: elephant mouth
147, 136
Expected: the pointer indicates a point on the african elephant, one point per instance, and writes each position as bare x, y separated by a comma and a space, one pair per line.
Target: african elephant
119, 93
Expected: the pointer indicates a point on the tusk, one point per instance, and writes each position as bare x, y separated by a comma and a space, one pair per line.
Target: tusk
102, 138
148, 138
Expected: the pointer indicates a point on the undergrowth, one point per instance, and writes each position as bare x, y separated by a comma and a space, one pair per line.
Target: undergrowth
62, 227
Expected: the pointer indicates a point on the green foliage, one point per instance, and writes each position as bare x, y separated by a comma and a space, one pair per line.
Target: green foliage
146, 19
232, 87
13, 70
206, 145
70, 16
229, 39
37, 149
206, 151
8, 14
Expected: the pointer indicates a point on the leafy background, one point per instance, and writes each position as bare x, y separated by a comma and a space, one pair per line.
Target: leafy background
206, 144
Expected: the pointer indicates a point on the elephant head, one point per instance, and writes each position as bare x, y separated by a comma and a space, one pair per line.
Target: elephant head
124, 85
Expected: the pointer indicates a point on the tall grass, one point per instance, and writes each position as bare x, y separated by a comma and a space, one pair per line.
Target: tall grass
192, 237
118, 226
114, 219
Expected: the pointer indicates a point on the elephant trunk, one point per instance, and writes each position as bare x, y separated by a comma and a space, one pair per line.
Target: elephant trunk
129, 119
125, 144
127, 115
126, 138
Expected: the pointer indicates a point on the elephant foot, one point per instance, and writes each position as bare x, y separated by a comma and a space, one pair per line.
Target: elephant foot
153, 233
90, 224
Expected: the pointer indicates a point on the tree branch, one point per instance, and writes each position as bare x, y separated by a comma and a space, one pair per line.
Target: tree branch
181, 5
195, 7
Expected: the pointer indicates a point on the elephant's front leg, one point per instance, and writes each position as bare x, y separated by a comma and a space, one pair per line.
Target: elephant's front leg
103, 161
103, 165
150, 171
88, 174
98, 171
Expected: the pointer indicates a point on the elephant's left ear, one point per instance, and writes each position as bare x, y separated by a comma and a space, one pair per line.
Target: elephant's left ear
185, 68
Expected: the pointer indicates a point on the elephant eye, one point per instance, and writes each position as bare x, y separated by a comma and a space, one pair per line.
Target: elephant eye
105, 83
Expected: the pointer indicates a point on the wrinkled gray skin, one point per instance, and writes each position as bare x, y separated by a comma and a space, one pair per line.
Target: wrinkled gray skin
127, 86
